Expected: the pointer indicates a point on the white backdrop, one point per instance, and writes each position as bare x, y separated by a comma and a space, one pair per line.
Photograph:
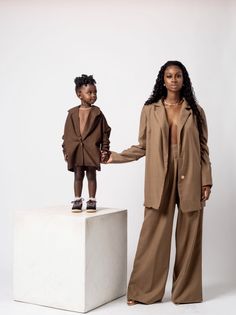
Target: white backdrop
45, 44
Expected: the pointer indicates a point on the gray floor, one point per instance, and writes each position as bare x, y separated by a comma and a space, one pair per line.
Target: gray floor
219, 298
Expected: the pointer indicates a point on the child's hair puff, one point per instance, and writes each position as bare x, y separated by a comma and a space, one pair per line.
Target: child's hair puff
83, 80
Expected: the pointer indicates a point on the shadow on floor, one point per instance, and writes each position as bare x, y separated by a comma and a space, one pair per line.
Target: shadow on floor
213, 291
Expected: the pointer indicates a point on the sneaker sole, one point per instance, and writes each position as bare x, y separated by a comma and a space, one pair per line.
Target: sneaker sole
91, 210
76, 210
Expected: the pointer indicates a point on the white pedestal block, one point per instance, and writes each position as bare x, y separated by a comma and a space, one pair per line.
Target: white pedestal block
71, 261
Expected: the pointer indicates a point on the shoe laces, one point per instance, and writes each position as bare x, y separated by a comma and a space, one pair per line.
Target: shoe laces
77, 200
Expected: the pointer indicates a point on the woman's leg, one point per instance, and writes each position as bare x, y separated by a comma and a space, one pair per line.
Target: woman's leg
78, 181
187, 276
92, 181
151, 264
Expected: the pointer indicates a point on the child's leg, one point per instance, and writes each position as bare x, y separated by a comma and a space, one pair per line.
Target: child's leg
92, 181
78, 182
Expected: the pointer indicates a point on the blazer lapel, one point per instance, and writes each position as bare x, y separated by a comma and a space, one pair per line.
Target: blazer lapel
76, 122
160, 114
183, 116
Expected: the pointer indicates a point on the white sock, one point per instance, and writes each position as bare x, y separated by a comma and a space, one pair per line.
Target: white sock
91, 198
78, 198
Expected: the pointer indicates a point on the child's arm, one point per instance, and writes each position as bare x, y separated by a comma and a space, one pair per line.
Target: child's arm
67, 129
63, 149
106, 131
105, 145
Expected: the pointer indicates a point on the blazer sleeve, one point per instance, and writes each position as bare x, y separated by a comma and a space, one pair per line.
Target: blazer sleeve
106, 131
67, 131
205, 160
135, 152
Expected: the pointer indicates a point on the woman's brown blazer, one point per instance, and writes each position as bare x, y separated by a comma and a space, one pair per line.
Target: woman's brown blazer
194, 170
84, 150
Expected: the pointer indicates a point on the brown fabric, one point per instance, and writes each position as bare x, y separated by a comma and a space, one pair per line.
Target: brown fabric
194, 170
83, 117
84, 150
150, 270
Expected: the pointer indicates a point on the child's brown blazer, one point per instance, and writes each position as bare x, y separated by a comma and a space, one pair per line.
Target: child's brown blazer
84, 150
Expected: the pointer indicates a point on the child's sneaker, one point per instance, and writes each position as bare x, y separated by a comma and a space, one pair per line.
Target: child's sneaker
77, 205
91, 205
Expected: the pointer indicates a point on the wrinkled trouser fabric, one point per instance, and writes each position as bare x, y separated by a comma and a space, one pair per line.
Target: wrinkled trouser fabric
151, 264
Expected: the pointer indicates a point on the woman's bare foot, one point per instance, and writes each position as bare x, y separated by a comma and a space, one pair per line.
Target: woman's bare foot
131, 302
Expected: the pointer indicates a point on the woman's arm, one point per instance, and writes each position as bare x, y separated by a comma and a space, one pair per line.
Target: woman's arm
135, 152
205, 160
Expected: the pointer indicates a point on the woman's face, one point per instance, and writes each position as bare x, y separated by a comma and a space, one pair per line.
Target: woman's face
173, 78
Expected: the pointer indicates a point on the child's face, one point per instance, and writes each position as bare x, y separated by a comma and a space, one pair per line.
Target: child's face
87, 94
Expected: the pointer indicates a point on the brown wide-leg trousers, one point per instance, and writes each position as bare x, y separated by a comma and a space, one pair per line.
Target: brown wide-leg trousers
151, 264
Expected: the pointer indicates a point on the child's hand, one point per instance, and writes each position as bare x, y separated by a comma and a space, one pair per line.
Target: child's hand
105, 156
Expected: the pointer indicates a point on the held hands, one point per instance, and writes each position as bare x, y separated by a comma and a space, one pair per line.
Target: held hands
105, 157
66, 157
109, 160
206, 190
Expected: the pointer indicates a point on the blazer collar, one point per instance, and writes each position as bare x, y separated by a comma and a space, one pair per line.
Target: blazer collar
161, 117
185, 112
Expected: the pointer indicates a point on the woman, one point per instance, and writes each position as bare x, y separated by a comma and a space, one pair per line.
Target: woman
173, 137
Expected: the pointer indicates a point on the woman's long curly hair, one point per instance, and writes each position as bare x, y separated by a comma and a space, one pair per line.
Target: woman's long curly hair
160, 91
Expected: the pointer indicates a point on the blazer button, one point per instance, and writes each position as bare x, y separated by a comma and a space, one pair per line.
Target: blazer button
182, 177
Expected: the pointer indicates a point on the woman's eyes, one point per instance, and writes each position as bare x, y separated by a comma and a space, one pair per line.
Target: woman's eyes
178, 76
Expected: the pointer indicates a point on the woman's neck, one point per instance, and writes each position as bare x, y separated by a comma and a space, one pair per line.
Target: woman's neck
173, 98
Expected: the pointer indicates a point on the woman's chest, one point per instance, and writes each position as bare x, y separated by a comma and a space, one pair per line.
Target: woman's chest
161, 123
172, 115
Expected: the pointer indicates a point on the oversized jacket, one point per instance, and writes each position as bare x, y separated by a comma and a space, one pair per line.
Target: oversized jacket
194, 168
84, 150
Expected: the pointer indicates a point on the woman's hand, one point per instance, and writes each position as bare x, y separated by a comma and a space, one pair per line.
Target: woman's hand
109, 160
206, 190
66, 157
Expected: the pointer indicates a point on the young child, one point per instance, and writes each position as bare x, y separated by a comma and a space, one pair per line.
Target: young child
86, 141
